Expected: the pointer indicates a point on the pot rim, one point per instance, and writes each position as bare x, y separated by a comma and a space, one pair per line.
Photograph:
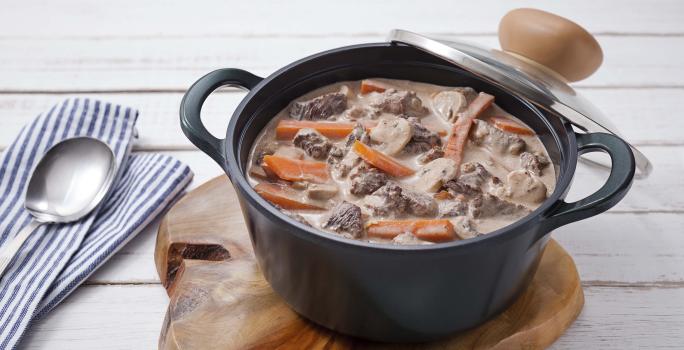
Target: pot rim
232, 167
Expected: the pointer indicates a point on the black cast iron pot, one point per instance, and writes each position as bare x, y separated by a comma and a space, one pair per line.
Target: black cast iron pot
390, 292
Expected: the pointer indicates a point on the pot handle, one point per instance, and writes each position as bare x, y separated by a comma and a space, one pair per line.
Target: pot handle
616, 187
191, 106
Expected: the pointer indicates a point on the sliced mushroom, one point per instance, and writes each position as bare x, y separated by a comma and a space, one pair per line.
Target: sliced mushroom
433, 175
321, 191
344, 89
464, 228
393, 134
524, 187
447, 104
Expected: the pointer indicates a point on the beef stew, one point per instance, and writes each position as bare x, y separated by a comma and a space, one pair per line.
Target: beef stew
393, 161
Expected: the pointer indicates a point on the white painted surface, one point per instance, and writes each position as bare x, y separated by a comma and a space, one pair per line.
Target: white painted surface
146, 53
172, 64
128, 317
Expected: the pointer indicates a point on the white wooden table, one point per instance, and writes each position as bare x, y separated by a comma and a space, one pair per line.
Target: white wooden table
146, 53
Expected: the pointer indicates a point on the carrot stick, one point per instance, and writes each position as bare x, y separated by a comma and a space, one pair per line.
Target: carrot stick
459, 134
434, 230
297, 170
368, 86
389, 229
381, 161
506, 124
438, 230
279, 195
286, 129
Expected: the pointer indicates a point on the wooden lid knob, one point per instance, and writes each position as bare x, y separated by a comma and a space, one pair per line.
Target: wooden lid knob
553, 41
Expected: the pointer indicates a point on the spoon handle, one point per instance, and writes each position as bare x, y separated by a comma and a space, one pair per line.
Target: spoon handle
10, 249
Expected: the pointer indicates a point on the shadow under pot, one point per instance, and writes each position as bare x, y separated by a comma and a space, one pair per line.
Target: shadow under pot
383, 292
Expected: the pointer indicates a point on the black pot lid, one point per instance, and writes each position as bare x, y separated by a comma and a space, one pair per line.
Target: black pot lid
526, 79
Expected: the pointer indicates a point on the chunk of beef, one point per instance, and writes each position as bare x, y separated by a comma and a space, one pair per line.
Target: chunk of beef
487, 135
534, 163
474, 175
346, 218
366, 179
386, 200
424, 135
336, 152
422, 139
392, 199
419, 204
489, 205
474, 179
313, 143
359, 112
340, 158
416, 147
400, 102
432, 154
457, 187
321, 107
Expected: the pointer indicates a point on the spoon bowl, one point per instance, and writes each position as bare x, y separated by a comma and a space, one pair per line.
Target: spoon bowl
71, 180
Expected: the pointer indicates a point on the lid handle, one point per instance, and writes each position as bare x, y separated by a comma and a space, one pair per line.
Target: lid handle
552, 41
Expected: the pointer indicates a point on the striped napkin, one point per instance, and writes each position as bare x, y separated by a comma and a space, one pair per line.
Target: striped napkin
58, 258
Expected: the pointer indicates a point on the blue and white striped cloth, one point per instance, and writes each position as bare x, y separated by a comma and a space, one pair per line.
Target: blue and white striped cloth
58, 258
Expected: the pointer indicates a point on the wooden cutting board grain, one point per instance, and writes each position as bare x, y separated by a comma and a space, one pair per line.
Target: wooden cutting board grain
220, 300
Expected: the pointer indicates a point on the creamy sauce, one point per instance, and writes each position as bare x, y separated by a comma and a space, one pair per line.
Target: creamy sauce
498, 164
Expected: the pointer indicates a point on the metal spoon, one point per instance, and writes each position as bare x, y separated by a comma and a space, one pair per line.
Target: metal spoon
71, 179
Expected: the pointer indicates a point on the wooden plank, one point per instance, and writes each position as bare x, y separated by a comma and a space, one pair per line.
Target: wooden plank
130, 317
126, 317
627, 318
627, 248
618, 248
158, 124
645, 116
173, 64
81, 18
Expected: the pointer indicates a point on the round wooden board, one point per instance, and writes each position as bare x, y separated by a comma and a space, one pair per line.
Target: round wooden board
219, 299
